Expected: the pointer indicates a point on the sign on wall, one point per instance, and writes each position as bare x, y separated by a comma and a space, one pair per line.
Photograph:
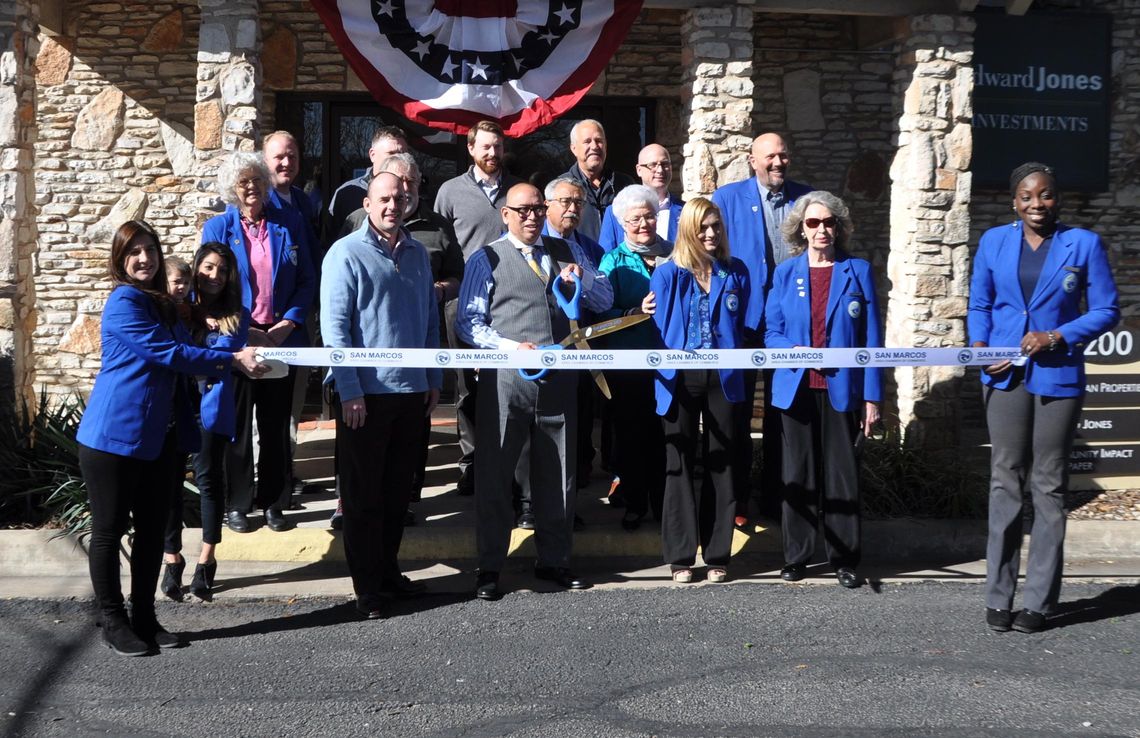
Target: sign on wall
1041, 93
1106, 448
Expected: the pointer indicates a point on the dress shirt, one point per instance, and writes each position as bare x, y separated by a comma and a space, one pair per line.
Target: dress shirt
776, 209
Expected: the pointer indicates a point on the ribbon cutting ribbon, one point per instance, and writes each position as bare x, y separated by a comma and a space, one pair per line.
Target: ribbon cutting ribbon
798, 358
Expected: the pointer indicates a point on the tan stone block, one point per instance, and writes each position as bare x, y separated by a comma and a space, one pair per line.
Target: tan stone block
83, 336
208, 121
279, 59
53, 62
949, 307
944, 179
930, 286
167, 34
100, 122
131, 206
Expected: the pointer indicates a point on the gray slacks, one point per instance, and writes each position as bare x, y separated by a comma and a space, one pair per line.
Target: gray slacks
512, 411
1031, 437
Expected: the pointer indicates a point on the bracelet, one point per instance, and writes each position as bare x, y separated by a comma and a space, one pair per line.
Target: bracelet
1052, 340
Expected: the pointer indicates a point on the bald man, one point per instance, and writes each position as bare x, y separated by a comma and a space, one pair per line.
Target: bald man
377, 292
588, 144
506, 304
655, 167
753, 211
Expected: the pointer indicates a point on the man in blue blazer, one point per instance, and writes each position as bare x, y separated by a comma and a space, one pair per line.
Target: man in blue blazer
656, 171
753, 211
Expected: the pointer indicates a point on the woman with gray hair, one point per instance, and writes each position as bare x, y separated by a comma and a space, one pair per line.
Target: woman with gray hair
277, 287
822, 298
639, 451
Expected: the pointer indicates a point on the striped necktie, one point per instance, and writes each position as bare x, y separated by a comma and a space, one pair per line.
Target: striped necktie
528, 253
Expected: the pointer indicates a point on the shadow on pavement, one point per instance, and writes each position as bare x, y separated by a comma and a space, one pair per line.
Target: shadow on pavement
1112, 603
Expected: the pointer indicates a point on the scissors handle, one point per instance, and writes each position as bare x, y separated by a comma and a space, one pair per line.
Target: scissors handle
535, 374
571, 306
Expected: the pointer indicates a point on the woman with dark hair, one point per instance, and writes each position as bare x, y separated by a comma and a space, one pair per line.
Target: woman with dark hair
698, 298
822, 298
277, 288
218, 322
134, 431
1030, 278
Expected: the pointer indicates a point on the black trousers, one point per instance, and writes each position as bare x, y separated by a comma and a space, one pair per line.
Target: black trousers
820, 480
742, 449
466, 398
122, 490
268, 401
639, 455
586, 404
768, 496
693, 516
377, 463
210, 479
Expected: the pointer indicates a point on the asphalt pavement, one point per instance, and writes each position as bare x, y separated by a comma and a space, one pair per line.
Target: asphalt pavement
711, 660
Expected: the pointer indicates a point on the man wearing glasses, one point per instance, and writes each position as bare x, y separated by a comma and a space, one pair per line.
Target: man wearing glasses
656, 171
506, 304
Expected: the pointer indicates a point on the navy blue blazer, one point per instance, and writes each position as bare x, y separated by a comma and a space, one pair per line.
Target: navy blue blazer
852, 322
130, 406
728, 295
1076, 267
743, 215
613, 234
294, 282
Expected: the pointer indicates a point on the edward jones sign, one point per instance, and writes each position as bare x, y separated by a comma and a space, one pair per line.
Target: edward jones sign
1041, 86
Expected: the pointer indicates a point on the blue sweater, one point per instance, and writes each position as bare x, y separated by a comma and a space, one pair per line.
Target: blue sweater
370, 301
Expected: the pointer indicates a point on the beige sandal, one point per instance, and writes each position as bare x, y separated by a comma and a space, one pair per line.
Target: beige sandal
682, 576
717, 575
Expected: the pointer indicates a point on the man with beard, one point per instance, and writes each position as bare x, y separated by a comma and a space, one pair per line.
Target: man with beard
588, 144
471, 203
377, 292
507, 304
656, 171
753, 212
387, 140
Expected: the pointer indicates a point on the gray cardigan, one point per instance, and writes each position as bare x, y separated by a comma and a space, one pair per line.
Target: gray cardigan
476, 220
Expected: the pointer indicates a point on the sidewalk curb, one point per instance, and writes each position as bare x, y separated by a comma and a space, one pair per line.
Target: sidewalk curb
32, 553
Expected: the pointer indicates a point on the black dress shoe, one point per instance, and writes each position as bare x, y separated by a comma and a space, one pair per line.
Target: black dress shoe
561, 576
793, 572
370, 608
402, 587
847, 577
487, 585
526, 521
276, 520
998, 620
1029, 621
308, 488
237, 521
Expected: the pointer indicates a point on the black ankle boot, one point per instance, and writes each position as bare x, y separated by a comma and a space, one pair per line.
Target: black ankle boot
202, 585
172, 579
145, 625
120, 637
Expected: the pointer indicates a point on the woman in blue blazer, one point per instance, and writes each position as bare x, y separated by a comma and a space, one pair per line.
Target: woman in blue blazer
278, 286
822, 298
1029, 280
137, 425
219, 322
698, 299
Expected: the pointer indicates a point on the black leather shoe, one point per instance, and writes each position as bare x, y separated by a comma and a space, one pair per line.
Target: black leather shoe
487, 585
793, 572
560, 576
370, 607
172, 579
998, 620
526, 521
1028, 621
237, 521
308, 488
847, 577
402, 587
276, 520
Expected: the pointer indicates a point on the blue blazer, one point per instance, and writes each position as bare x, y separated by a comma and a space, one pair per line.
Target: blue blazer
589, 246
1076, 267
852, 322
613, 234
130, 406
219, 406
728, 295
294, 282
304, 220
743, 215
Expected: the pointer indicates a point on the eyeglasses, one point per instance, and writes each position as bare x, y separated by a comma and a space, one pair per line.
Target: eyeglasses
245, 184
656, 165
525, 211
829, 222
641, 220
568, 201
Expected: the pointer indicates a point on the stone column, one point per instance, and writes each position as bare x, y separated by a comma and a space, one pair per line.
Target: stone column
716, 89
229, 77
928, 264
18, 46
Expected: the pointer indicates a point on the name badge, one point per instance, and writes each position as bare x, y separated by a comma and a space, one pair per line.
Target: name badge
855, 309
732, 302
1069, 283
